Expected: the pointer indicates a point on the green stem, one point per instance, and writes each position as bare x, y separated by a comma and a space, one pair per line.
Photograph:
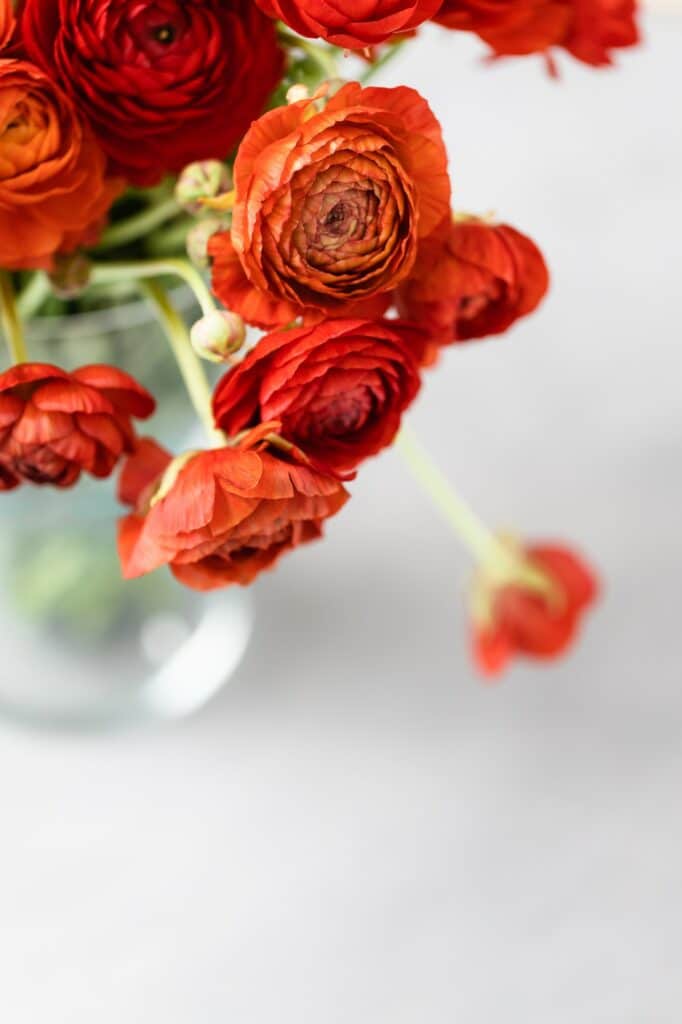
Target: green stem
481, 541
321, 54
138, 226
31, 298
139, 270
9, 319
189, 364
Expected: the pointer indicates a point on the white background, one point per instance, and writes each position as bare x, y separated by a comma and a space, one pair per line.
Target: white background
356, 830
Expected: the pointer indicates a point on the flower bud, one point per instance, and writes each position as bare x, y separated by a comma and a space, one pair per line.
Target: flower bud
298, 92
199, 236
204, 179
218, 335
70, 275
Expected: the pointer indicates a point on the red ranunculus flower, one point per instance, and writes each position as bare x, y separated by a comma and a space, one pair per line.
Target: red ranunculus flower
54, 424
589, 29
162, 82
538, 616
330, 206
600, 26
53, 194
339, 388
220, 517
6, 22
473, 279
353, 24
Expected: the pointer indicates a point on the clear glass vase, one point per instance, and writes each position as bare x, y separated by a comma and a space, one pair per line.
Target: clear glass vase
81, 647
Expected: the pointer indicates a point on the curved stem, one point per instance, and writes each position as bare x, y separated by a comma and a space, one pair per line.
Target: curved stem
320, 53
31, 298
139, 270
475, 535
189, 364
9, 319
139, 225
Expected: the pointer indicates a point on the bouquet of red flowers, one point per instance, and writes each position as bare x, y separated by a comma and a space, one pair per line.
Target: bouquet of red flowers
237, 145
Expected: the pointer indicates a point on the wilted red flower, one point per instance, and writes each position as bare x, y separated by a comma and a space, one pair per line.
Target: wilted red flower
349, 23
163, 83
339, 388
330, 205
589, 29
473, 279
6, 22
53, 194
222, 516
54, 424
536, 615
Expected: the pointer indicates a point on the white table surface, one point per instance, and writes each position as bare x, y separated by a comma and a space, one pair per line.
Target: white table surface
356, 830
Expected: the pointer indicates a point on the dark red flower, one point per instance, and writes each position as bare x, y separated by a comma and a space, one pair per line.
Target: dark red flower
473, 279
330, 205
339, 388
55, 425
589, 29
162, 82
353, 24
220, 517
536, 614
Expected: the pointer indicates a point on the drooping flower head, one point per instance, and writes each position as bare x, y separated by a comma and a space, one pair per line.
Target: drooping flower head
339, 388
162, 82
330, 206
55, 425
589, 29
53, 191
472, 279
352, 24
220, 517
536, 615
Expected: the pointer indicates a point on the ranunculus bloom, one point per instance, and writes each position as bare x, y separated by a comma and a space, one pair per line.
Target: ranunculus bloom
600, 26
589, 29
330, 206
162, 83
338, 389
6, 22
53, 194
54, 424
473, 279
225, 516
353, 24
537, 618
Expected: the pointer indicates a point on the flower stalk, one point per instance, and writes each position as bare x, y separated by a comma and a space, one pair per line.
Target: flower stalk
140, 225
189, 364
141, 270
499, 561
10, 320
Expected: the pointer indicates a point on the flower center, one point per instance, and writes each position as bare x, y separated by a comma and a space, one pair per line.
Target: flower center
165, 34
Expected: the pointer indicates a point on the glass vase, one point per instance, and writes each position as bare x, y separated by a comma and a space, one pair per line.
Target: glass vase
83, 648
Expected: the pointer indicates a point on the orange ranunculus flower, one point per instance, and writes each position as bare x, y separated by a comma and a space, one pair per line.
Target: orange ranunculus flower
55, 425
330, 206
219, 517
536, 615
339, 388
473, 279
7, 22
53, 193
349, 23
588, 29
